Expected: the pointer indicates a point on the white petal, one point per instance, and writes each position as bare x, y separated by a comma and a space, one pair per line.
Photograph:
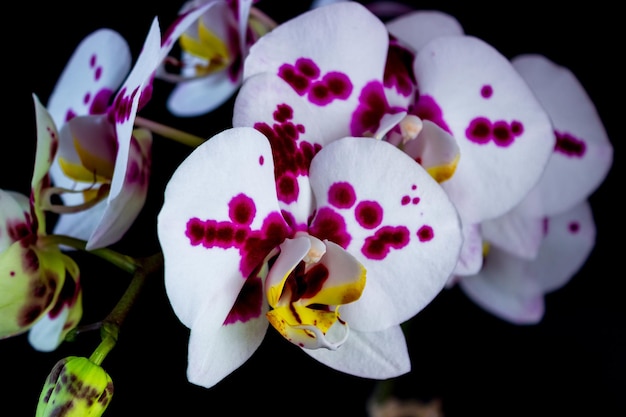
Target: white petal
376, 355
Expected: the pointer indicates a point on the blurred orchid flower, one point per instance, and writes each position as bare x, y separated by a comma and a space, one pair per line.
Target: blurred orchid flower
213, 49
538, 246
35, 294
103, 164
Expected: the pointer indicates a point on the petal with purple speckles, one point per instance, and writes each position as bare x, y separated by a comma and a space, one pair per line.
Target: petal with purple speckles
504, 135
513, 288
406, 234
583, 154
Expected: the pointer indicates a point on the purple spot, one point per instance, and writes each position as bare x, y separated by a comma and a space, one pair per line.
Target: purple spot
288, 188
292, 157
415, 200
517, 128
241, 210
261, 160
98, 73
339, 84
486, 91
341, 195
92, 61
100, 102
330, 225
386, 238
369, 214
569, 145
426, 108
308, 68
425, 234
249, 302
574, 227
502, 135
405, 200
479, 130
372, 107
86, 98
413, 187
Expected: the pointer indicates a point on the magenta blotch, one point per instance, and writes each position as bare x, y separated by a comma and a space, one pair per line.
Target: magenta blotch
330, 225
425, 233
486, 91
426, 108
385, 239
292, 156
481, 130
341, 195
569, 145
373, 106
249, 303
369, 214
253, 245
574, 227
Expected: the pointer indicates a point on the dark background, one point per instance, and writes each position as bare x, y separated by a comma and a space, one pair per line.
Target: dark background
573, 363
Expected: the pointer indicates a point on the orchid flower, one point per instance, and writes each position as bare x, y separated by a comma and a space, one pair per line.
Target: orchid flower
335, 274
213, 49
295, 222
103, 164
473, 123
35, 294
538, 246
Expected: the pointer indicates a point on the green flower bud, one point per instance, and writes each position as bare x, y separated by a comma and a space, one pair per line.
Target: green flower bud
76, 387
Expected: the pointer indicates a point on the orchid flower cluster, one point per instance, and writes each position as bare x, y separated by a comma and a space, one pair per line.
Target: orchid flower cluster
371, 164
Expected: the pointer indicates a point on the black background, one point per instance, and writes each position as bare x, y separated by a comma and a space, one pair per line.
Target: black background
572, 363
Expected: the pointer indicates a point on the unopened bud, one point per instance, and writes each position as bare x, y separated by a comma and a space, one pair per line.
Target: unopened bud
76, 387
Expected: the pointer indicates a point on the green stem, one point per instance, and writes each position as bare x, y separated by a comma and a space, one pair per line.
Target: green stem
103, 350
124, 262
169, 132
146, 267
113, 322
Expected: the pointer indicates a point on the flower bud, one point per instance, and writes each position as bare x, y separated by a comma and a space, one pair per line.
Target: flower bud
76, 387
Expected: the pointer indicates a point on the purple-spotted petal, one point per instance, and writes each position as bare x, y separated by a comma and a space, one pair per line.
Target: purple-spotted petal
417, 28
342, 82
296, 132
14, 215
94, 72
50, 331
504, 135
583, 154
513, 288
377, 355
387, 211
219, 221
569, 240
30, 282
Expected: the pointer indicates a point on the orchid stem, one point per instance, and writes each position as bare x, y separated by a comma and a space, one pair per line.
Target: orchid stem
124, 262
170, 133
113, 322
